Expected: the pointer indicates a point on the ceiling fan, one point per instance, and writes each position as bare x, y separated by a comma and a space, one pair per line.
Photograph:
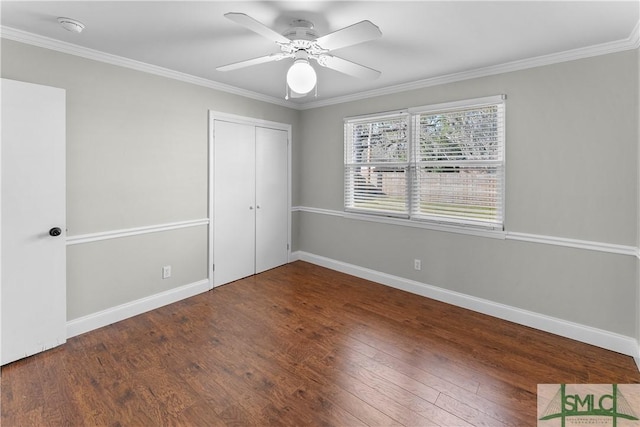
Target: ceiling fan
301, 43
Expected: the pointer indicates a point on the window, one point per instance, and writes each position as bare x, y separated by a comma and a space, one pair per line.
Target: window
377, 165
442, 163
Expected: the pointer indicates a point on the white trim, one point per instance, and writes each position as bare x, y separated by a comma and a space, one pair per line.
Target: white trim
117, 234
377, 116
573, 243
460, 229
587, 334
124, 311
318, 211
631, 42
210, 198
96, 55
447, 228
245, 120
454, 105
508, 235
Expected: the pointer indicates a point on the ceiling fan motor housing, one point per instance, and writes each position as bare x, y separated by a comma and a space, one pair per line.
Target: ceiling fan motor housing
301, 29
302, 36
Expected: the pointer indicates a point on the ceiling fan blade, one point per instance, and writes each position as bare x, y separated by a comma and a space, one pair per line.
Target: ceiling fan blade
357, 33
254, 61
257, 27
348, 67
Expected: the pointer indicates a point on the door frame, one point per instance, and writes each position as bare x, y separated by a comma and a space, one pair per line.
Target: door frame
233, 118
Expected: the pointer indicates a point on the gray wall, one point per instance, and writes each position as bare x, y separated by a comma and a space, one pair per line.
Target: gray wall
137, 149
572, 161
136, 156
638, 229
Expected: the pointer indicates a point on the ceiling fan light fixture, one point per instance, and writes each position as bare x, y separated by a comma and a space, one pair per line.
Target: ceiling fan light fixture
301, 76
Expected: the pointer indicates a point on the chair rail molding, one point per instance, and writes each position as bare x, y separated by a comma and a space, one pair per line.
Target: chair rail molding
117, 234
508, 235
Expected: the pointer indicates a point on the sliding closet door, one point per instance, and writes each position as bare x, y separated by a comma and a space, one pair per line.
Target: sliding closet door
234, 201
271, 198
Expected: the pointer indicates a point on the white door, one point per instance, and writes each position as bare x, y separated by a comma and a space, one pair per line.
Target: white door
234, 201
33, 267
272, 201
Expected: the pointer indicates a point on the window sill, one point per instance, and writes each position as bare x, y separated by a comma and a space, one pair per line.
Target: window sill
427, 225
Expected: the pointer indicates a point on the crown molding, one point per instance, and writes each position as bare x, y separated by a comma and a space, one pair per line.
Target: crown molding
630, 43
96, 55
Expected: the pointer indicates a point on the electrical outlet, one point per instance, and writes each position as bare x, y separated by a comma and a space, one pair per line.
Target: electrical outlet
417, 264
166, 271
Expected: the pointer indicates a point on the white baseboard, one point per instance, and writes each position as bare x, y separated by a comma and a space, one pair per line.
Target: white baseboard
587, 334
124, 311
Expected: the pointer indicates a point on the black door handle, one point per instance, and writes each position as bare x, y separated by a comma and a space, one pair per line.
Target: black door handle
55, 231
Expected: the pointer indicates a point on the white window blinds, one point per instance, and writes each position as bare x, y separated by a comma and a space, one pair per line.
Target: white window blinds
459, 164
441, 163
377, 165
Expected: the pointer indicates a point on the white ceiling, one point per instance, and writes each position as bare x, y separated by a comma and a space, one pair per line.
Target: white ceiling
420, 39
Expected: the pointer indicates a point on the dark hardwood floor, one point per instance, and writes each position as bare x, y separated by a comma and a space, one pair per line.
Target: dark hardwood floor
302, 345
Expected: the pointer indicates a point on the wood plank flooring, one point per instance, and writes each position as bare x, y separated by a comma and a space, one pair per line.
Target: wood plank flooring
302, 345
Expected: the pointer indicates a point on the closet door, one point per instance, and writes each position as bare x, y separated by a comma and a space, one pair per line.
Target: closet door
234, 201
271, 198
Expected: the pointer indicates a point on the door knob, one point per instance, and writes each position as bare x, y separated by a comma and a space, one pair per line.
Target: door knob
55, 231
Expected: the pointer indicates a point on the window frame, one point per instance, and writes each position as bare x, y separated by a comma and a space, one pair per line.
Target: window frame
414, 217
349, 189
